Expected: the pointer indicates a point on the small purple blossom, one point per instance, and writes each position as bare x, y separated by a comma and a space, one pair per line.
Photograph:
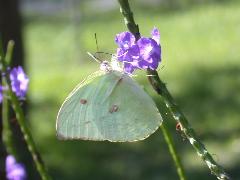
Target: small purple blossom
142, 54
128, 51
129, 57
156, 35
150, 52
125, 40
19, 81
14, 170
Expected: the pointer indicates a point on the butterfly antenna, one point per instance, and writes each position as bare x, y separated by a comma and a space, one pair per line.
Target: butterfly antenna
100, 52
94, 57
96, 41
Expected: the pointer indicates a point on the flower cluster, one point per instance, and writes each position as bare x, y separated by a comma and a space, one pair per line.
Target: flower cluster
141, 54
19, 83
14, 170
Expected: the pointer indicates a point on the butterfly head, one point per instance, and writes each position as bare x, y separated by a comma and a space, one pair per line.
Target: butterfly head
105, 66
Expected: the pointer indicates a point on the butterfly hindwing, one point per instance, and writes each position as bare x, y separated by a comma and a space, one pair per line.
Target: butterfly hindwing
111, 106
76, 118
131, 112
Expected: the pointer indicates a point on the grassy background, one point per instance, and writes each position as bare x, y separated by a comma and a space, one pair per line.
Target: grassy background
200, 52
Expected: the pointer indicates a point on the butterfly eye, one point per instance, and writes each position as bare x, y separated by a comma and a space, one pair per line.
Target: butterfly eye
83, 101
114, 108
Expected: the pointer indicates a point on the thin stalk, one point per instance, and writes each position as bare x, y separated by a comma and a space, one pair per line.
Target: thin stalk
1, 47
9, 53
173, 152
186, 128
7, 135
162, 90
22, 123
133, 28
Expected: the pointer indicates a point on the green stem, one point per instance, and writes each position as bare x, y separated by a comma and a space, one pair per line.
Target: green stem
9, 53
133, 28
172, 150
128, 18
189, 132
161, 89
1, 47
22, 122
7, 135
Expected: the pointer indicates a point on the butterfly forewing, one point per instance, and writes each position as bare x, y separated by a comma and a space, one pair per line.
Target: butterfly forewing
111, 106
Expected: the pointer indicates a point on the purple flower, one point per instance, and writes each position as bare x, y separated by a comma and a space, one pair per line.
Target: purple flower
130, 54
125, 40
128, 67
143, 54
19, 81
128, 50
14, 170
156, 35
150, 53
1, 95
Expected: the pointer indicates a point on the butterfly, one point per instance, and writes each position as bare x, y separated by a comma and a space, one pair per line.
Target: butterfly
108, 105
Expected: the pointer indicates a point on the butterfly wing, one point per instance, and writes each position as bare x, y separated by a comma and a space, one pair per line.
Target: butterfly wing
109, 106
77, 117
131, 113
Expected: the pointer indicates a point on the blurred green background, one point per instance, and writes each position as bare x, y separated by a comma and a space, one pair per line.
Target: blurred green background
200, 64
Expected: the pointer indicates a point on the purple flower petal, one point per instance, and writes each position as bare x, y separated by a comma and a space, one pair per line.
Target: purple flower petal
134, 52
150, 52
128, 55
125, 40
14, 170
10, 161
19, 81
156, 35
128, 67
143, 64
121, 54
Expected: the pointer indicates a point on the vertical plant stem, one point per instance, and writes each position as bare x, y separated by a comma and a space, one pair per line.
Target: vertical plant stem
133, 28
189, 132
1, 47
21, 120
161, 89
172, 150
128, 18
7, 135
